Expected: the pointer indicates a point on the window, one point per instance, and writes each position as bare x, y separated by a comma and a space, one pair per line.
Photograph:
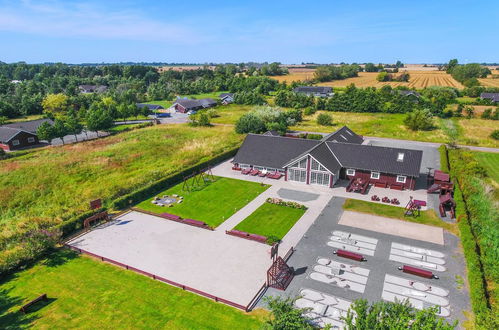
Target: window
15, 142
400, 157
401, 178
344, 138
349, 132
350, 172
297, 175
317, 167
31, 139
243, 166
375, 175
319, 178
301, 164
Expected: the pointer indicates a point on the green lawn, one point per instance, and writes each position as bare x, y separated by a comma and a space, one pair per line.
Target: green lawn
490, 161
121, 128
213, 203
428, 217
271, 220
88, 294
230, 113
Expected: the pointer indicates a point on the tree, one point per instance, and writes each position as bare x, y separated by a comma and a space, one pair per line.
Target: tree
383, 76
55, 103
45, 132
123, 111
451, 65
250, 123
3, 154
3, 120
389, 315
370, 67
495, 134
470, 111
73, 126
60, 130
324, 119
284, 315
419, 120
98, 119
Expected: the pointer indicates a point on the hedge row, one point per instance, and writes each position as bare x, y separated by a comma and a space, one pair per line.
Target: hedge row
156, 187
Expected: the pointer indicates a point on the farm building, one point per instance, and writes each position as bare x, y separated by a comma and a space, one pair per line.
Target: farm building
226, 98
339, 155
186, 105
20, 135
88, 89
320, 91
494, 97
151, 107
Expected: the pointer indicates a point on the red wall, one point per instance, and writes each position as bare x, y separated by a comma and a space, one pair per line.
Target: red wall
410, 182
4, 146
180, 108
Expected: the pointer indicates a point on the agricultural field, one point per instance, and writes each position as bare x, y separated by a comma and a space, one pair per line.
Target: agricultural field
492, 80
212, 203
271, 220
296, 74
53, 184
88, 294
477, 132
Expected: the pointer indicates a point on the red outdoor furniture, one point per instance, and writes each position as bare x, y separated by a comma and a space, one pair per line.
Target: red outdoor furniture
193, 222
236, 168
262, 174
385, 200
243, 234
349, 255
246, 171
395, 201
254, 172
170, 216
375, 198
417, 271
276, 175
380, 184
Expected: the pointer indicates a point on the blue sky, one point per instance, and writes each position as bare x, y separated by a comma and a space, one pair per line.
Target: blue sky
239, 31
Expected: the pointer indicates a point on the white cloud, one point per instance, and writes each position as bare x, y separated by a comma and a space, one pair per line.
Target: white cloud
58, 19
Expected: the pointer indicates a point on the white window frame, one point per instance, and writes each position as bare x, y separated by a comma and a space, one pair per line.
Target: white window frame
15, 142
350, 172
243, 166
31, 139
401, 179
400, 157
375, 175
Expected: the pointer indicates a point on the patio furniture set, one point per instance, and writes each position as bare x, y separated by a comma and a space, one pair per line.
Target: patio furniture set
263, 173
385, 199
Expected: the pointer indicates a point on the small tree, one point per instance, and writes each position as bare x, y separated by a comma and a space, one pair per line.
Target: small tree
55, 103
73, 126
3, 154
495, 134
98, 119
250, 123
324, 119
123, 111
3, 120
60, 130
470, 111
45, 132
284, 315
419, 120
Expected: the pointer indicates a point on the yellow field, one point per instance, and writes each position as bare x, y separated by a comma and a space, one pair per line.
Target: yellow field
477, 132
296, 74
489, 81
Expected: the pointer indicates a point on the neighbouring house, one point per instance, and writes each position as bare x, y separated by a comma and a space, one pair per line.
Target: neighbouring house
87, 89
320, 91
20, 135
410, 94
339, 155
226, 98
494, 97
186, 105
272, 133
151, 107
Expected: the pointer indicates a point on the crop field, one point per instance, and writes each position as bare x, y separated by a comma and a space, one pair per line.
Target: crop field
53, 184
418, 79
296, 74
492, 80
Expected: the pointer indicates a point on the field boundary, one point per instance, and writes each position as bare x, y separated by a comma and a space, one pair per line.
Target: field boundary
246, 308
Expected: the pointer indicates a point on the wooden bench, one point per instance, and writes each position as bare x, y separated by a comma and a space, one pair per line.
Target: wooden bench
380, 184
32, 302
170, 216
397, 186
193, 222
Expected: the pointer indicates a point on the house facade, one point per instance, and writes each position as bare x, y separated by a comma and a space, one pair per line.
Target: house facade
339, 155
226, 98
494, 97
186, 105
318, 91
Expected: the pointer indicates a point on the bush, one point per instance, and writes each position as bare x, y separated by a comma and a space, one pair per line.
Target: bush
284, 314
495, 134
314, 136
3, 154
419, 120
324, 119
309, 111
272, 239
278, 201
250, 123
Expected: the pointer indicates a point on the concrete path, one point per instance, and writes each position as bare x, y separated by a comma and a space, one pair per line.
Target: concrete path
393, 227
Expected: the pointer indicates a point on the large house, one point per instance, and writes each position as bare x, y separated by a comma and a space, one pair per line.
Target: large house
88, 89
20, 135
186, 105
319, 91
494, 97
339, 155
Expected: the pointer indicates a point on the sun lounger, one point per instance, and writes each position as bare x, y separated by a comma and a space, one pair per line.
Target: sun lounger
263, 173
246, 171
254, 172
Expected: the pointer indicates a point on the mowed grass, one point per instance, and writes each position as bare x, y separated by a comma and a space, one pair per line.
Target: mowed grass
271, 220
121, 128
53, 184
88, 294
212, 203
229, 114
428, 217
490, 161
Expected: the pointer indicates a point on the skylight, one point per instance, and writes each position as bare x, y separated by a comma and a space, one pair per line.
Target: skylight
400, 157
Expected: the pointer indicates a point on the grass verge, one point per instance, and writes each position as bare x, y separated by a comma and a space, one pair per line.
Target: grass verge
428, 217
88, 294
212, 203
271, 220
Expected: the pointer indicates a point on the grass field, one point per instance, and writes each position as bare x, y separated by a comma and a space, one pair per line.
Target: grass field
50, 185
477, 132
213, 203
121, 128
271, 220
230, 113
490, 161
88, 294
428, 217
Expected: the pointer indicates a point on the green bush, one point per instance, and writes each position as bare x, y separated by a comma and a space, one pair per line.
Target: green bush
324, 119
495, 134
314, 136
419, 120
272, 239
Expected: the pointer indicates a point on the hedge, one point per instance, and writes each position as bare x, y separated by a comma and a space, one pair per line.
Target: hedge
156, 187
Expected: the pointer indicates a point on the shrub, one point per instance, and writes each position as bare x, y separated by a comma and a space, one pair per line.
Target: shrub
212, 113
419, 120
487, 113
250, 123
495, 134
309, 111
284, 315
324, 119
3, 154
314, 136
272, 239
278, 201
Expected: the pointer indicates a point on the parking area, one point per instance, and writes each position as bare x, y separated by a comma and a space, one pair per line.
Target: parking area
211, 261
323, 279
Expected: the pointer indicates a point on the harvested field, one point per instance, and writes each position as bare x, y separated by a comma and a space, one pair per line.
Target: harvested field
296, 74
477, 132
492, 80
418, 79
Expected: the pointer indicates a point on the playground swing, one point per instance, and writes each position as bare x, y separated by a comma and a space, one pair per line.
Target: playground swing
413, 207
197, 180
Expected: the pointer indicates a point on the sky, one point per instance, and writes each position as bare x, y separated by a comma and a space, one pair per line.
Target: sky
193, 31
